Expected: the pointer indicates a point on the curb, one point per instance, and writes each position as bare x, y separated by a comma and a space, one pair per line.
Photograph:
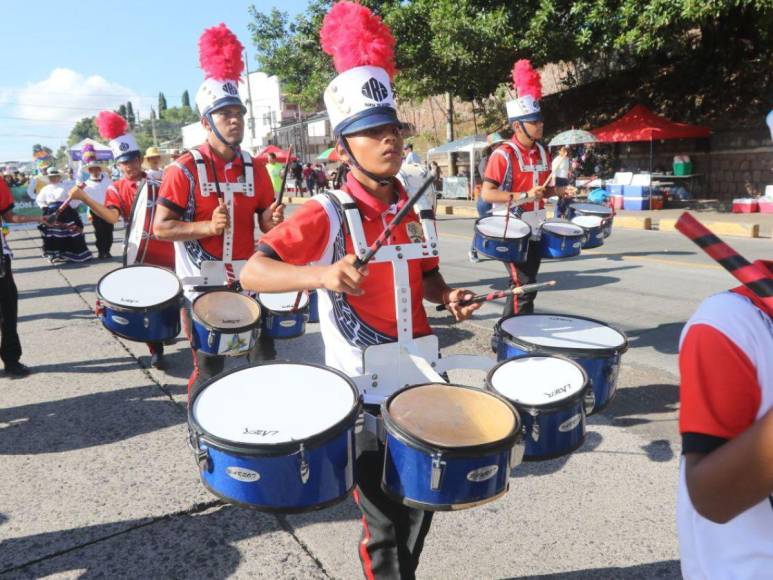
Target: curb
718, 228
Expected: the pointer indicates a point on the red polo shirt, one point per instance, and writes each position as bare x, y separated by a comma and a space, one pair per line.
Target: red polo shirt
522, 180
302, 238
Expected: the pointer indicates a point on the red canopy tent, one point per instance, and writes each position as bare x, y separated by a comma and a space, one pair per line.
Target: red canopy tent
641, 124
281, 154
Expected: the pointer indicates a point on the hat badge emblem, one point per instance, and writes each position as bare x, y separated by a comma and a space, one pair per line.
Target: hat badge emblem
375, 90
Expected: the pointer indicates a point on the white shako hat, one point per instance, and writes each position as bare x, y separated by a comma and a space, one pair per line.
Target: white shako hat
220, 57
113, 128
527, 83
362, 47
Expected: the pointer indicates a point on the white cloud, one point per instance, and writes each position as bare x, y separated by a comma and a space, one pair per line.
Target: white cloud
67, 95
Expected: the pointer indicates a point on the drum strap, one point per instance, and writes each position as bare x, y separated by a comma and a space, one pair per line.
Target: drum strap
353, 221
507, 182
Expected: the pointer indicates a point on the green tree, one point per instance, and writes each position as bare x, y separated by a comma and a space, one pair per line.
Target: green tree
161, 105
122, 110
130, 118
85, 128
186, 100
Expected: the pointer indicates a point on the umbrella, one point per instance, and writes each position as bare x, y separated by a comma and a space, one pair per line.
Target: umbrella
572, 137
328, 155
281, 154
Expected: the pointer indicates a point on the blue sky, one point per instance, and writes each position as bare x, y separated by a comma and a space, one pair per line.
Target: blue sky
63, 60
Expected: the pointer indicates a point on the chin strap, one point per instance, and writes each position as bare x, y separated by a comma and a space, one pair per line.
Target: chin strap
378, 179
235, 148
523, 128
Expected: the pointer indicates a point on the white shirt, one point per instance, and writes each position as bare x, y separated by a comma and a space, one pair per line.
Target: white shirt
155, 174
561, 167
96, 189
56, 193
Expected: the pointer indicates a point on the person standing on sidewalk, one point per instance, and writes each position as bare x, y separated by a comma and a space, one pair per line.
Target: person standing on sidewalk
210, 196
153, 161
96, 187
62, 230
10, 345
274, 169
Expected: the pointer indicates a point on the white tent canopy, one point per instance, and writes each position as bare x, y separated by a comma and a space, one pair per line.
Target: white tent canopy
103, 151
469, 145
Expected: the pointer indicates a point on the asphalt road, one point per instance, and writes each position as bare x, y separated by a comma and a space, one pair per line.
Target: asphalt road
99, 482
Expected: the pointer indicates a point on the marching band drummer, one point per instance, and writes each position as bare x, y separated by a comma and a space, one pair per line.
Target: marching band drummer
313, 250
516, 176
193, 208
120, 196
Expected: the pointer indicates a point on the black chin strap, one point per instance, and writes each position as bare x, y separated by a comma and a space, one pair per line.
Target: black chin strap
523, 128
235, 148
378, 179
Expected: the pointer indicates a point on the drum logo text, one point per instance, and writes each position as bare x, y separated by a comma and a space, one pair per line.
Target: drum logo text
242, 474
260, 432
483, 473
570, 423
558, 391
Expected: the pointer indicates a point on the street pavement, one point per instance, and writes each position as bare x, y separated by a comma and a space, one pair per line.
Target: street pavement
99, 481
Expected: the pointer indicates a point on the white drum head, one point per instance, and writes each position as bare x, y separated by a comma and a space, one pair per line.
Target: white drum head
588, 221
592, 207
563, 228
223, 309
273, 403
536, 381
283, 301
563, 332
139, 286
494, 227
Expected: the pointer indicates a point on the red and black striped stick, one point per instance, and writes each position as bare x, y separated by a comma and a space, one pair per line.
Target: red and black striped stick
496, 295
360, 262
754, 278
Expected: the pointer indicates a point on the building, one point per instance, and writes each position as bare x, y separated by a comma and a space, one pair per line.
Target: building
309, 135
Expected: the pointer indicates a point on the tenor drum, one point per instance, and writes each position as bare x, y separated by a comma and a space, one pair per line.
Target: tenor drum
494, 242
561, 239
594, 230
448, 447
548, 392
276, 437
595, 346
141, 303
281, 318
606, 214
224, 323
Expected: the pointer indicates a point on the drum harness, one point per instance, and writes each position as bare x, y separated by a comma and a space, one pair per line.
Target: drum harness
536, 217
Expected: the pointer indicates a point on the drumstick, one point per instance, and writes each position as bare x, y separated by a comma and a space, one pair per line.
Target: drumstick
281, 191
507, 217
360, 262
298, 300
496, 295
750, 275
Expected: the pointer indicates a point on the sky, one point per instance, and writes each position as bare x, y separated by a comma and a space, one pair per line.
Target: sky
61, 61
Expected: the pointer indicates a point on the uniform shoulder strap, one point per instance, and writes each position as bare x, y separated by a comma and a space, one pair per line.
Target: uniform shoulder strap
353, 220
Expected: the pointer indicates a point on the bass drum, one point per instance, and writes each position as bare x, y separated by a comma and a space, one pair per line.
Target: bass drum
135, 244
413, 176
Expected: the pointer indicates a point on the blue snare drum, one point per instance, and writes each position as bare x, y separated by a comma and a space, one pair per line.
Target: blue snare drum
313, 306
594, 230
606, 214
548, 393
276, 436
561, 239
280, 318
448, 447
141, 303
491, 241
595, 346
224, 323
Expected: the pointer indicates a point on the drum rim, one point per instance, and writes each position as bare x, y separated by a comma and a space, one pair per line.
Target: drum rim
589, 229
407, 438
530, 347
278, 449
300, 308
553, 405
499, 238
123, 307
561, 221
230, 330
578, 210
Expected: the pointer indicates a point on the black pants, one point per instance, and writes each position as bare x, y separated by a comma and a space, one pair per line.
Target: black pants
392, 534
103, 231
10, 347
526, 273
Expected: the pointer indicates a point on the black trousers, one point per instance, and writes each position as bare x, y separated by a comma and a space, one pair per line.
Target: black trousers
103, 231
10, 346
526, 273
392, 534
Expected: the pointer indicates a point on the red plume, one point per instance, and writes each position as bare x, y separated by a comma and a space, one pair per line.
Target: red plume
220, 54
526, 80
354, 36
111, 125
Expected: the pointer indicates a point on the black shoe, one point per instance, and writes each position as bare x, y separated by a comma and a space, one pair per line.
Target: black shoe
17, 369
157, 360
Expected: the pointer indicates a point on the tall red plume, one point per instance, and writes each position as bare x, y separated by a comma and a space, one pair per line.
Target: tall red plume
526, 80
220, 54
354, 36
110, 125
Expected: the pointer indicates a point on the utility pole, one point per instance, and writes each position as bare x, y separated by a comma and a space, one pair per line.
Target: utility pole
251, 123
153, 128
450, 132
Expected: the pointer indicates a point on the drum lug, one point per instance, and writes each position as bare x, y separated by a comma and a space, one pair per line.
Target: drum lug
535, 426
146, 322
201, 455
303, 465
590, 401
437, 471
516, 455
211, 339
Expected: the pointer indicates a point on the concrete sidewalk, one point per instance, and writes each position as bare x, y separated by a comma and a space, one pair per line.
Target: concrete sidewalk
99, 481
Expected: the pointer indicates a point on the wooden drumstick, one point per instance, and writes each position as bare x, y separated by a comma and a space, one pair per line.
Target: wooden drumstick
281, 191
496, 295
